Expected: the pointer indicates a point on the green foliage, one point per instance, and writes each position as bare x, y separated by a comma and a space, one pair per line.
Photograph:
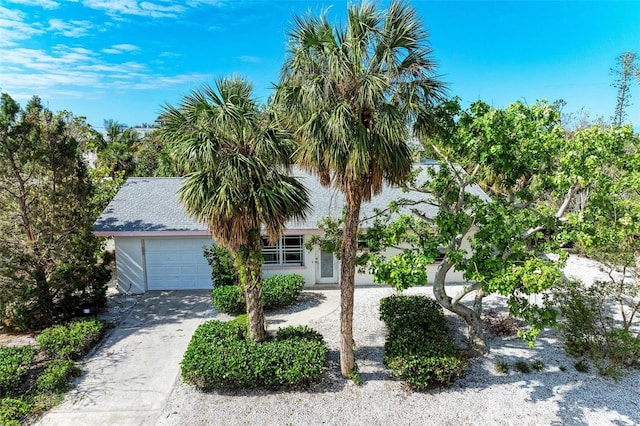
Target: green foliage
229, 299
48, 254
278, 291
502, 367
56, 375
537, 365
582, 366
71, 340
223, 273
13, 411
14, 365
220, 357
522, 367
589, 330
418, 349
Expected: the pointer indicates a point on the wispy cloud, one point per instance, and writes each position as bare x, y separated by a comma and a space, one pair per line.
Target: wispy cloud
117, 49
132, 7
249, 59
71, 28
76, 70
46, 4
14, 28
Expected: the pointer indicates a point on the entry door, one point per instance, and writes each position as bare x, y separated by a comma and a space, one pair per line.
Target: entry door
327, 269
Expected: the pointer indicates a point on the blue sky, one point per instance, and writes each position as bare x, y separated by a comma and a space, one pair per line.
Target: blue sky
124, 59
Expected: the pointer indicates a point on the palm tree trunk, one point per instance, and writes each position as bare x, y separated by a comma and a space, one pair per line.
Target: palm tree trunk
249, 264
347, 284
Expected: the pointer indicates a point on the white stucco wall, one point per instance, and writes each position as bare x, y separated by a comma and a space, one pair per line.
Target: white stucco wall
130, 264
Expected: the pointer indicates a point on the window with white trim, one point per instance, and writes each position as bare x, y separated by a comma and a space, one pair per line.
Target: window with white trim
288, 251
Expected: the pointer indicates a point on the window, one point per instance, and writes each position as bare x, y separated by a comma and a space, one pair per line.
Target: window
289, 250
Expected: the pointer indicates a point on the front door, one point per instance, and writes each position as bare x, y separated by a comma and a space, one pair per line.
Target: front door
327, 269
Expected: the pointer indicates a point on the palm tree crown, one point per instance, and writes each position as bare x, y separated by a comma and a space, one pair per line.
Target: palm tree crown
237, 162
355, 91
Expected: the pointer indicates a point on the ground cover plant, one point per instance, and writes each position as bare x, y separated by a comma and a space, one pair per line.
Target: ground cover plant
418, 349
220, 356
278, 291
33, 379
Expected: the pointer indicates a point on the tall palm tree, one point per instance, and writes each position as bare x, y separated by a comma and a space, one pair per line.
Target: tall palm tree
237, 163
351, 94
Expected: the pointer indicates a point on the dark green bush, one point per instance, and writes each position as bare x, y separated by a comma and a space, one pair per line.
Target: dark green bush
71, 340
13, 411
281, 291
56, 375
278, 291
14, 365
223, 273
418, 349
220, 357
229, 299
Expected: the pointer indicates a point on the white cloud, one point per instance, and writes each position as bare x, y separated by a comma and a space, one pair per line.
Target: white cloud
72, 28
132, 7
14, 28
117, 49
46, 4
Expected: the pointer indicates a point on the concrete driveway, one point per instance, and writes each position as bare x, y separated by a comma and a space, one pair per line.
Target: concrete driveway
129, 378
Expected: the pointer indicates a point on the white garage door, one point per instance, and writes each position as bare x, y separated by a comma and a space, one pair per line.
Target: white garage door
177, 264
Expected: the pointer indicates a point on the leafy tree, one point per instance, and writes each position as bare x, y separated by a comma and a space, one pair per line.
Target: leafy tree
351, 94
48, 265
117, 152
627, 72
237, 161
521, 158
152, 157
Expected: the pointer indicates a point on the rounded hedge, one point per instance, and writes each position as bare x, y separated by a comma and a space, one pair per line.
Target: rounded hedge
219, 356
278, 291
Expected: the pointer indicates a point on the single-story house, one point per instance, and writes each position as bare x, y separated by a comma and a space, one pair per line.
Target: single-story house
158, 246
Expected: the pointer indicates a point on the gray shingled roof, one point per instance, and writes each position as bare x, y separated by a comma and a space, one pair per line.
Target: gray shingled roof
151, 205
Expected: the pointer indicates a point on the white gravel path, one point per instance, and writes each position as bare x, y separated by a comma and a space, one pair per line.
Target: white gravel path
482, 397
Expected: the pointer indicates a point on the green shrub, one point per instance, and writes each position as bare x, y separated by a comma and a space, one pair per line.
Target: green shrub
537, 365
502, 367
522, 367
589, 331
281, 291
71, 340
278, 291
229, 299
56, 375
418, 349
219, 357
223, 273
14, 365
13, 411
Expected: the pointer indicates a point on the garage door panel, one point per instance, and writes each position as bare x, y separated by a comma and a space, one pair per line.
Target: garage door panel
177, 264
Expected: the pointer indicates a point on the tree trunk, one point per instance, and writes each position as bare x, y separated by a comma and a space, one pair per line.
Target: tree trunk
249, 264
475, 329
637, 269
347, 284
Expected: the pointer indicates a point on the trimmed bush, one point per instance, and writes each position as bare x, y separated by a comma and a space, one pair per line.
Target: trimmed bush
418, 349
14, 366
229, 299
71, 340
278, 291
56, 375
220, 357
13, 411
281, 291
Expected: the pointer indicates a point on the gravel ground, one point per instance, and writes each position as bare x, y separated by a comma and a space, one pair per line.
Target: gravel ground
556, 395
